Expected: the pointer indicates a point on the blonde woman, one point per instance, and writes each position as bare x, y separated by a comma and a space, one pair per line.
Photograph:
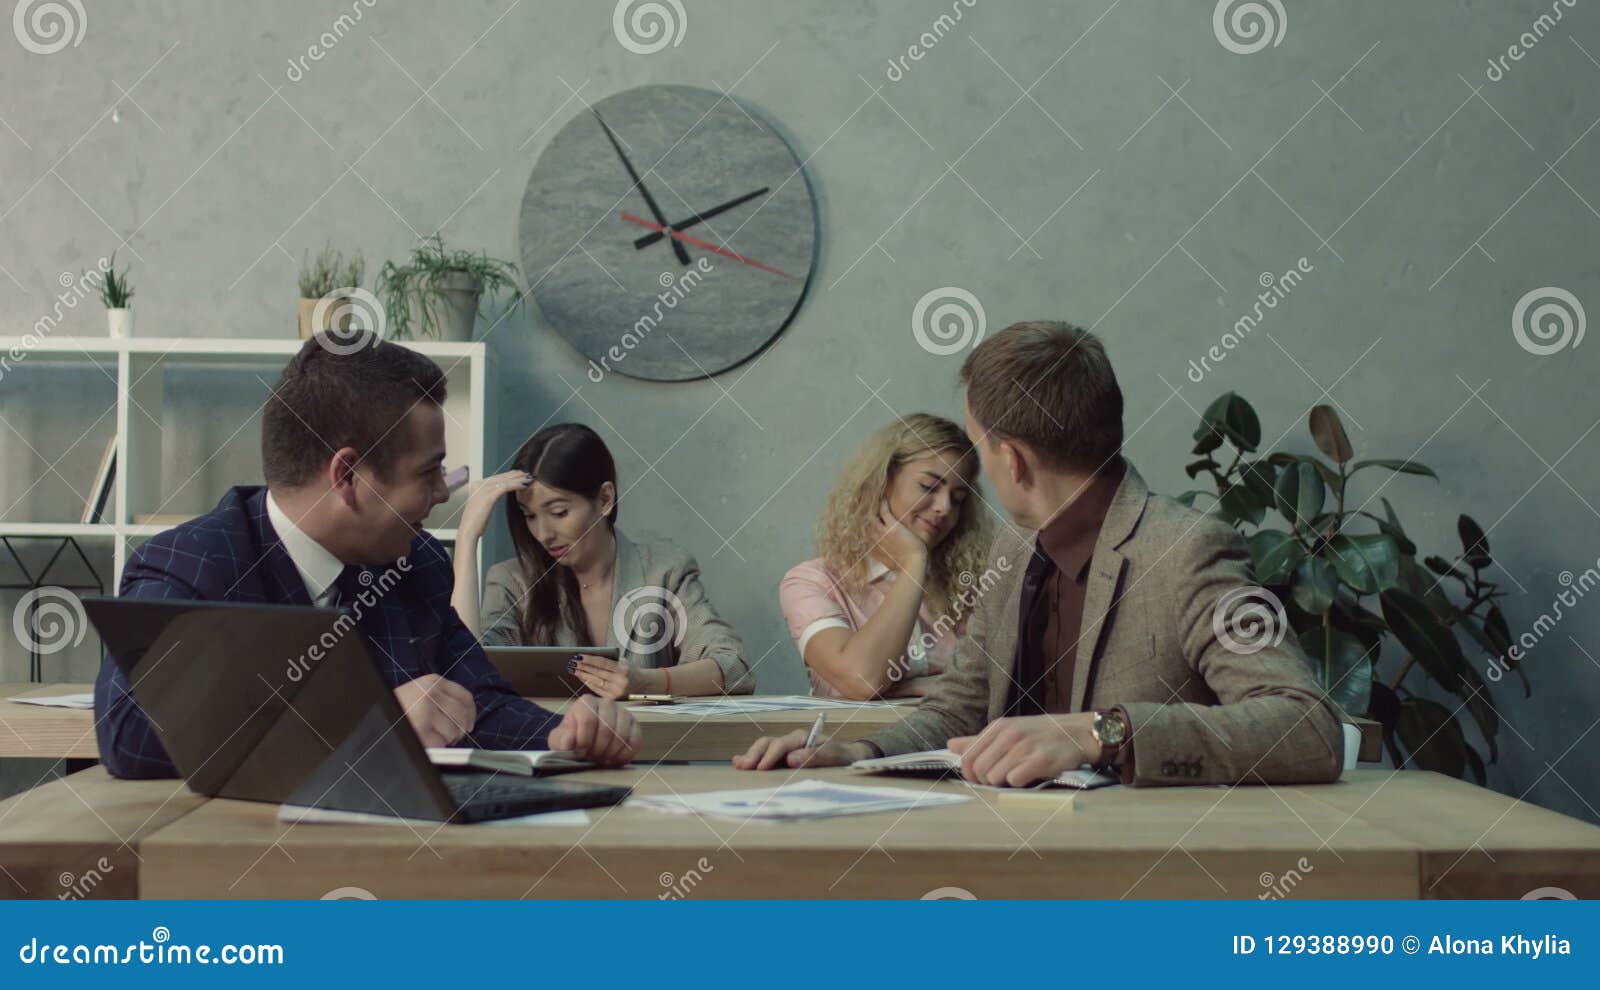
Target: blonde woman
875, 614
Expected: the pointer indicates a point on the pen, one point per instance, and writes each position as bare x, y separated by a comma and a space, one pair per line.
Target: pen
816, 729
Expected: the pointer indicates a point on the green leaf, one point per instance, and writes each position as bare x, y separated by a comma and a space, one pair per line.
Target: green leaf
1391, 525
1443, 568
1432, 737
1345, 671
1474, 544
1188, 497
1385, 707
1275, 554
1206, 440
1419, 631
1240, 504
1261, 478
1235, 419
1195, 467
1328, 432
1366, 563
1314, 584
1300, 494
1404, 467
1498, 630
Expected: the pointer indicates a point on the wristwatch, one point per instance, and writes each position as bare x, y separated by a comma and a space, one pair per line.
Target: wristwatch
1111, 732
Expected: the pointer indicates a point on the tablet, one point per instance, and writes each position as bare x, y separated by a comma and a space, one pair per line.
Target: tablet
541, 671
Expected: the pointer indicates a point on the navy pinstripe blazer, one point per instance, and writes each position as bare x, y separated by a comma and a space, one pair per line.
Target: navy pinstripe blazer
232, 554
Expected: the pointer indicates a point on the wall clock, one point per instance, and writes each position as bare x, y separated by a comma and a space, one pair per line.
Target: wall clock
667, 233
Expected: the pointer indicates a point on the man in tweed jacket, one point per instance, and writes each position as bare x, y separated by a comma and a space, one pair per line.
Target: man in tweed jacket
1120, 643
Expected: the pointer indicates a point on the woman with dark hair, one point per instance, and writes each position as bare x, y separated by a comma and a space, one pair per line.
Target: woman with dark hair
576, 580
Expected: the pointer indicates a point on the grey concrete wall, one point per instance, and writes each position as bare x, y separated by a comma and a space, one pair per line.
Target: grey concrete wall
1426, 197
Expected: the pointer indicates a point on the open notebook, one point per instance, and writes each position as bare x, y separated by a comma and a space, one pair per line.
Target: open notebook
525, 762
944, 763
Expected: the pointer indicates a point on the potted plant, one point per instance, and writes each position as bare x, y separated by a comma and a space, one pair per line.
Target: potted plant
319, 277
116, 294
435, 294
1348, 583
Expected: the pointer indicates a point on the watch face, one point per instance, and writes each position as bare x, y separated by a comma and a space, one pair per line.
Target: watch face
667, 233
1110, 729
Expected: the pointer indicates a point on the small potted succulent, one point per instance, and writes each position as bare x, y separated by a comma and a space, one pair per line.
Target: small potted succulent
321, 276
116, 294
435, 294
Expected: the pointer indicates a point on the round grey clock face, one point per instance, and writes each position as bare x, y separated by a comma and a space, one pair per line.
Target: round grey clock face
667, 233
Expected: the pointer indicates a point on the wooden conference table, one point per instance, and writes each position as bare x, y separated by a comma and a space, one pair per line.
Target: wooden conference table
64, 733
1377, 833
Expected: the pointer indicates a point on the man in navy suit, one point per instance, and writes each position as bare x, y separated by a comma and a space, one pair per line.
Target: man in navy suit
353, 453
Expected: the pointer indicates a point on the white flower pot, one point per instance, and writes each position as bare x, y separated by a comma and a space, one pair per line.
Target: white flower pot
119, 322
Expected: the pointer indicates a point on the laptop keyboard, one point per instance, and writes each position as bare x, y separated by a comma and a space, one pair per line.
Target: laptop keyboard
479, 789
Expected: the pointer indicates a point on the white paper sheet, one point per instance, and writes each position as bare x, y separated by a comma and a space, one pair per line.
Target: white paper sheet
796, 800
85, 700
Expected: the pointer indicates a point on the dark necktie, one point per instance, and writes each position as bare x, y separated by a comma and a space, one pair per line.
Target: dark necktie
346, 587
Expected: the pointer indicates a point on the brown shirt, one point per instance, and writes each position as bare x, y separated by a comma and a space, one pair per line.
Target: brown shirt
1066, 546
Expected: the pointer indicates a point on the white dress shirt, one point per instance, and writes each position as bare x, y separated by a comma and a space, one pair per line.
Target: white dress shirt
318, 568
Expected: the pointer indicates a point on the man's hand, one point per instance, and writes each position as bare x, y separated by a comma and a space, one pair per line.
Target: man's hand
1016, 752
440, 710
790, 751
598, 730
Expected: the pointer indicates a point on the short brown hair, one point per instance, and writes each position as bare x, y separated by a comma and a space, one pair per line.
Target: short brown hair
326, 400
1050, 385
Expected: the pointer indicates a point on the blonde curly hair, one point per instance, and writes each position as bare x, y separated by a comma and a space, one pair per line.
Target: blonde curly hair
844, 532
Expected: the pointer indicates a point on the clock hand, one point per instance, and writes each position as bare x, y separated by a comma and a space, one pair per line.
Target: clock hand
704, 215
638, 183
676, 236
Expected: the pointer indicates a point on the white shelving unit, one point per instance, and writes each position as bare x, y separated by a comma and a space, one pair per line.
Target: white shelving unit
141, 364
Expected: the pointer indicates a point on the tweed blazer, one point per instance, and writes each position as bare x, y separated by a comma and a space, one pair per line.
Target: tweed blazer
1208, 703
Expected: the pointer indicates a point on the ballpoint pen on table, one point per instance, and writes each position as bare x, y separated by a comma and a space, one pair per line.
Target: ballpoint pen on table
816, 729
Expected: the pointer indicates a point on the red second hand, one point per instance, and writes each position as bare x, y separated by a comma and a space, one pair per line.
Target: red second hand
702, 244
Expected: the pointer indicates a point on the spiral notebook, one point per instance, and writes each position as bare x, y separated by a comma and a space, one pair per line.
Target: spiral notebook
944, 763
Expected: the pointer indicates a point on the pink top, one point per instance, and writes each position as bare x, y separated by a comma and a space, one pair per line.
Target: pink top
813, 601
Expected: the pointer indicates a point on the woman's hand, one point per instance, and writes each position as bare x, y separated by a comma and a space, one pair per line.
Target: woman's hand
606, 678
486, 494
896, 544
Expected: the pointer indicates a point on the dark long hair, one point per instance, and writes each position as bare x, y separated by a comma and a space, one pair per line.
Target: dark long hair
572, 457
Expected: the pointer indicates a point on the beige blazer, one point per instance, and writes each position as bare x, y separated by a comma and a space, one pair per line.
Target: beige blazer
651, 582
1201, 713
